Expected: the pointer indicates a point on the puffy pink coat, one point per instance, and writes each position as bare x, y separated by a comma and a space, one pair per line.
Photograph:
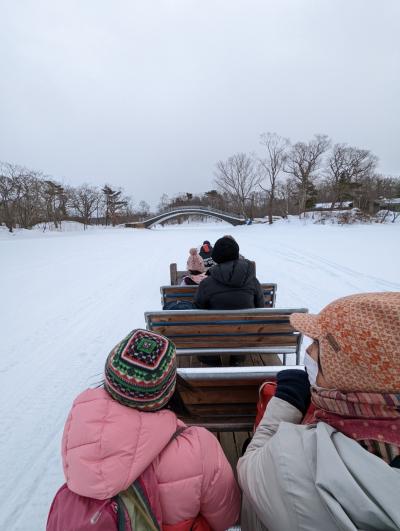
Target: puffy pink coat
106, 446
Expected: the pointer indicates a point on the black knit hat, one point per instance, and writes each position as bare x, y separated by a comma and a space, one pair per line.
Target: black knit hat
225, 250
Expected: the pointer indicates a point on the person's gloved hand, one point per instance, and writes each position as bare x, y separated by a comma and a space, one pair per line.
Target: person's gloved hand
293, 386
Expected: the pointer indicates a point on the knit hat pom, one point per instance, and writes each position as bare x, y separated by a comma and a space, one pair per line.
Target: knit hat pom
140, 371
195, 261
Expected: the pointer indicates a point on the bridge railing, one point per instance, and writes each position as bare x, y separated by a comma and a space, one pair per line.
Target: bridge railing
202, 207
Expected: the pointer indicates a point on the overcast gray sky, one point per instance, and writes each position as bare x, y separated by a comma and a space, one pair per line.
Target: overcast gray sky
149, 94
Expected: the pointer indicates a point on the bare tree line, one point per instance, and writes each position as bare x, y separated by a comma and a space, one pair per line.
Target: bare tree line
282, 179
28, 197
286, 178
290, 178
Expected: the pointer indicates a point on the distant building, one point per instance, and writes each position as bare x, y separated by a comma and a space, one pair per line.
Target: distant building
343, 205
393, 203
384, 203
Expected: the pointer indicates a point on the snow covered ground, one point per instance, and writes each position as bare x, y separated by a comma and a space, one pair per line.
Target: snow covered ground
68, 297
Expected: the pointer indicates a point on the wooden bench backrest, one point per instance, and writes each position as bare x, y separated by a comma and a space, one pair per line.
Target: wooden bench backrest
177, 276
264, 330
187, 293
224, 399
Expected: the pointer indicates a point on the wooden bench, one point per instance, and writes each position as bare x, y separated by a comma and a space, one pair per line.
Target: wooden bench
264, 331
177, 276
187, 293
224, 399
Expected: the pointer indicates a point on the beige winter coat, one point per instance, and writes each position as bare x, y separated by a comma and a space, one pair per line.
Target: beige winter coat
313, 478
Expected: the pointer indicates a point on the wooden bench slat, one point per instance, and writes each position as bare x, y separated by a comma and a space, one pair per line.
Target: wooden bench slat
237, 350
261, 323
187, 293
239, 329
232, 330
213, 395
230, 425
224, 316
232, 373
224, 399
235, 345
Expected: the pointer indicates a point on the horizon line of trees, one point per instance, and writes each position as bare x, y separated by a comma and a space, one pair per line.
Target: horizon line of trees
291, 178
288, 178
28, 198
282, 179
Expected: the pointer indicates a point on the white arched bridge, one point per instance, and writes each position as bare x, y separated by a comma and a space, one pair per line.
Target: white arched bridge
187, 211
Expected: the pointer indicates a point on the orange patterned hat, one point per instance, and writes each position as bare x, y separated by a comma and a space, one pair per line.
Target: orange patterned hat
359, 341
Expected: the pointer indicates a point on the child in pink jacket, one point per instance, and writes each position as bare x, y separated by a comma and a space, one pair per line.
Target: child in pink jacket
113, 434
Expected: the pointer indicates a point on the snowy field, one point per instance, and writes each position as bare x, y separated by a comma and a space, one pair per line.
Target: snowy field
68, 297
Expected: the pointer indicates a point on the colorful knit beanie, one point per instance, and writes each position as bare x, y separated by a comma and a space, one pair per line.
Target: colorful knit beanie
140, 371
195, 261
225, 250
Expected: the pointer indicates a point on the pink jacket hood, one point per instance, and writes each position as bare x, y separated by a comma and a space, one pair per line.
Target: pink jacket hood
106, 446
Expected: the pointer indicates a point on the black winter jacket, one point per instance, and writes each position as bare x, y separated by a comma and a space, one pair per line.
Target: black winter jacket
230, 286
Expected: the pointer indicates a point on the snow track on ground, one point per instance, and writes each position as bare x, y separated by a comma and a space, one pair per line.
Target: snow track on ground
68, 298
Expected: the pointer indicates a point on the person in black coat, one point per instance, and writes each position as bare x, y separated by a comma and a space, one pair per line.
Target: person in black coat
231, 284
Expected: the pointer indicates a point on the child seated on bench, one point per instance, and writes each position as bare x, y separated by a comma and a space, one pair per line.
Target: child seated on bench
128, 429
196, 269
339, 467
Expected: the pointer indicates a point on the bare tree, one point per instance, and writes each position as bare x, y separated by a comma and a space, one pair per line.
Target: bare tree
272, 165
238, 179
85, 200
144, 208
303, 161
21, 201
29, 207
347, 168
286, 197
7, 195
163, 205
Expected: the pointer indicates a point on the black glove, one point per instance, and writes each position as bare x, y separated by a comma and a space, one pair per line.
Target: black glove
293, 386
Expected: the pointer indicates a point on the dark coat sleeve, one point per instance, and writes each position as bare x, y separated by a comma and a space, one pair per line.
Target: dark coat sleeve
201, 299
258, 296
